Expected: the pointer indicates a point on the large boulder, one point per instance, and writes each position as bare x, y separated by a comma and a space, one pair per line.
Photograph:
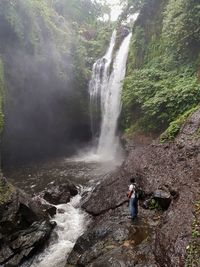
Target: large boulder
59, 194
24, 226
23, 244
112, 239
163, 198
44, 205
168, 173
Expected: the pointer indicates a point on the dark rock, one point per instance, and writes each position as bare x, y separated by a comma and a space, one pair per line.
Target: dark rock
24, 228
124, 32
26, 242
59, 194
45, 206
5, 253
112, 240
51, 210
85, 243
158, 238
61, 211
163, 198
103, 199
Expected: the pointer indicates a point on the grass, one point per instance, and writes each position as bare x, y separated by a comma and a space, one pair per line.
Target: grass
193, 249
175, 126
5, 192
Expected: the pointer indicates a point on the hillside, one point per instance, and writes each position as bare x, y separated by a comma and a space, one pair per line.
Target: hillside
162, 80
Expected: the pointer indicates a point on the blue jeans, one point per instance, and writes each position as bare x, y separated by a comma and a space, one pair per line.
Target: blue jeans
133, 207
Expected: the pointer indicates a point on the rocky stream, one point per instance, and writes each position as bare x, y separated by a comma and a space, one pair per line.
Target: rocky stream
99, 217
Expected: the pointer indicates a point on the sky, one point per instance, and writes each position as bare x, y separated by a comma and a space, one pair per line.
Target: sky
116, 9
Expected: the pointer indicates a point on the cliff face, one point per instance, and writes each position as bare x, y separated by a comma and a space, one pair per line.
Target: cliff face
24, 225
172, 167
162, 77
166, 233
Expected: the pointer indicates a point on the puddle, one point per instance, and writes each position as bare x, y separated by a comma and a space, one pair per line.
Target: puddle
139, 233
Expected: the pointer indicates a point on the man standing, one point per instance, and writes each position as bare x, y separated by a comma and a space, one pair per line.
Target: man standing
133, 200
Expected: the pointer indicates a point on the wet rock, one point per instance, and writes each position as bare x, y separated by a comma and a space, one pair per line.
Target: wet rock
112, 240
163, 198
167, 173
25, 242
103, 198
51, 210
61, 211
59, 194
85, 245
24, 228
45, 206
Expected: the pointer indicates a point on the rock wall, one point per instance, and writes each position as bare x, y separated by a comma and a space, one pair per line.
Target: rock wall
166, 173
24, 225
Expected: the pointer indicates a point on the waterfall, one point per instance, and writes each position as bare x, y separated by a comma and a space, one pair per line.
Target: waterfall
106, 89
98, 84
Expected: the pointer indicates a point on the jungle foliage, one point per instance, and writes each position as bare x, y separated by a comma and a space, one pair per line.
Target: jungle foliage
162, 81
47, 49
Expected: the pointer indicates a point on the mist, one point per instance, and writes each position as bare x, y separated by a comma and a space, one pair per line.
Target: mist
43, 114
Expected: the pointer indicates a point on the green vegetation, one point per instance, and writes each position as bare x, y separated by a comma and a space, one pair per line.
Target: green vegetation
181, 29
58, 29
93, 34
193, 249
47, 49
80, 12
20, 17
162, 83
5, 192
154, 205
159, 96
197, 134
176, 125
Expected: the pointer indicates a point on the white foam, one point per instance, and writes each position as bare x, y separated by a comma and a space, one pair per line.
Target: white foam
70, 225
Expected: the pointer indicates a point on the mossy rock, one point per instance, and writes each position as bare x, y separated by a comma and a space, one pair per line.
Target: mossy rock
175, 126
193, 249
6, 191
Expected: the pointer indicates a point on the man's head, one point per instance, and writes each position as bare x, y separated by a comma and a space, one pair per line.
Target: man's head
132, 180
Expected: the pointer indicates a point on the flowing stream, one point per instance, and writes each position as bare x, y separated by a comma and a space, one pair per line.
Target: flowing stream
72, 221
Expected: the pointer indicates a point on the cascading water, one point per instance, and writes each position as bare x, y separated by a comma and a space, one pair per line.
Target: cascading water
108, 89
111, 98
71, 223
98, 84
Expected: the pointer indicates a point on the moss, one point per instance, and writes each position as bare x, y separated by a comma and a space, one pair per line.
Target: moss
193, 249
176, 125
154, 205
5, 192
197, 133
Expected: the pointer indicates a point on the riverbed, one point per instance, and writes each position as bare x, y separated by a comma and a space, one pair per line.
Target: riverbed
72, 222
